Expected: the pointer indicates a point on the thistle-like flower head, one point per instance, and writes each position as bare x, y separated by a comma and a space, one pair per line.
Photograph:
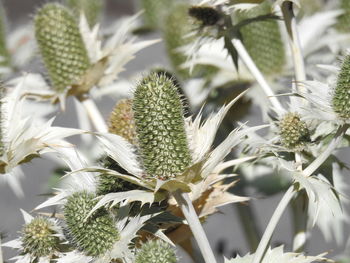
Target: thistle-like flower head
93, 235
294, 132
156, 251
160, 128
38, 237
61, 46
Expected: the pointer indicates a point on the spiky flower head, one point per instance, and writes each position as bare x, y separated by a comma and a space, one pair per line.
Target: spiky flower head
343, 23
92, 9
208, 16
341, 92
61, 46
38, 237
93, 235
263, 40
156, 251
160, 127
121, 120
293, 131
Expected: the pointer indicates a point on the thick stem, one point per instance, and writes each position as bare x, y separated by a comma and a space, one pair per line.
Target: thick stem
294, 42
190, 214
272, 224
248, 61
94, 114
299, 210
330, 148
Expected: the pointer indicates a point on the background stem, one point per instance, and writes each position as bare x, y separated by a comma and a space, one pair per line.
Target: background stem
94, 114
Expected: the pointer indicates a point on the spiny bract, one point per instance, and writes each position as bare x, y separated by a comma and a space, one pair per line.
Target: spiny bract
293, 131
121, 120
38, 237
160, 127
341, 92
92, 9
93, 235
156, 251
61, 46
263, 40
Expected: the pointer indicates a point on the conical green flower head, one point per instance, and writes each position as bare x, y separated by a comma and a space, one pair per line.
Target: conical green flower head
91, 8
293, 131
154, 12
93, 235
5, 59
263, 40
343, 23
156, 251
160, 127
121, 120
341, 93
61, 45
38, 237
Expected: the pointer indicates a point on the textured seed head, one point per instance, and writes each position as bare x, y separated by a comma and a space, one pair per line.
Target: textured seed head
343, 23
341, 92
156, 251
38, 237
263, 40
207, 15
121, 120
293, 131
61, 45
93, 235
160, 127
92, 9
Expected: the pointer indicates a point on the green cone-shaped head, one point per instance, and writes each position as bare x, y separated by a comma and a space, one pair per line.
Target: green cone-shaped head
341, 92
156, 251
263, 40
293, 131
92, 9
38, 237
5, 58
61, 45
160, 127
93, 235
343, 23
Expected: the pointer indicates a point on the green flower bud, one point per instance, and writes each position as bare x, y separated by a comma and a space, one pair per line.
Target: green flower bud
121, 120
341, 92
293, 131
93, 235
154, 12
38, 237
5, 59
156, 251
263, 40
61, 46
208, 16
92, 9
160, 127
343, 23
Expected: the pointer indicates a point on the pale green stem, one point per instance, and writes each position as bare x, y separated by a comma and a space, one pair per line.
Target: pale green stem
299, 209
265, 240
191, 216
248, 61
94, 114
330, 148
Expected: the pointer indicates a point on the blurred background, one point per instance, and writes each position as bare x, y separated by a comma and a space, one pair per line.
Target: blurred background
223, 229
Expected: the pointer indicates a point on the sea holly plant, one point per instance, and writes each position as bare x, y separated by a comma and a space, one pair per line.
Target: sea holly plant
172, 151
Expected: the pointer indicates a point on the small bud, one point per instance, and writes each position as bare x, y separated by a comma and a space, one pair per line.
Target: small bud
92, 9
93, 235
38, 237
156, 251
341, 92
61, 46
263, 40
343, 23
207, 15
121, 120
293, 131
160, 127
